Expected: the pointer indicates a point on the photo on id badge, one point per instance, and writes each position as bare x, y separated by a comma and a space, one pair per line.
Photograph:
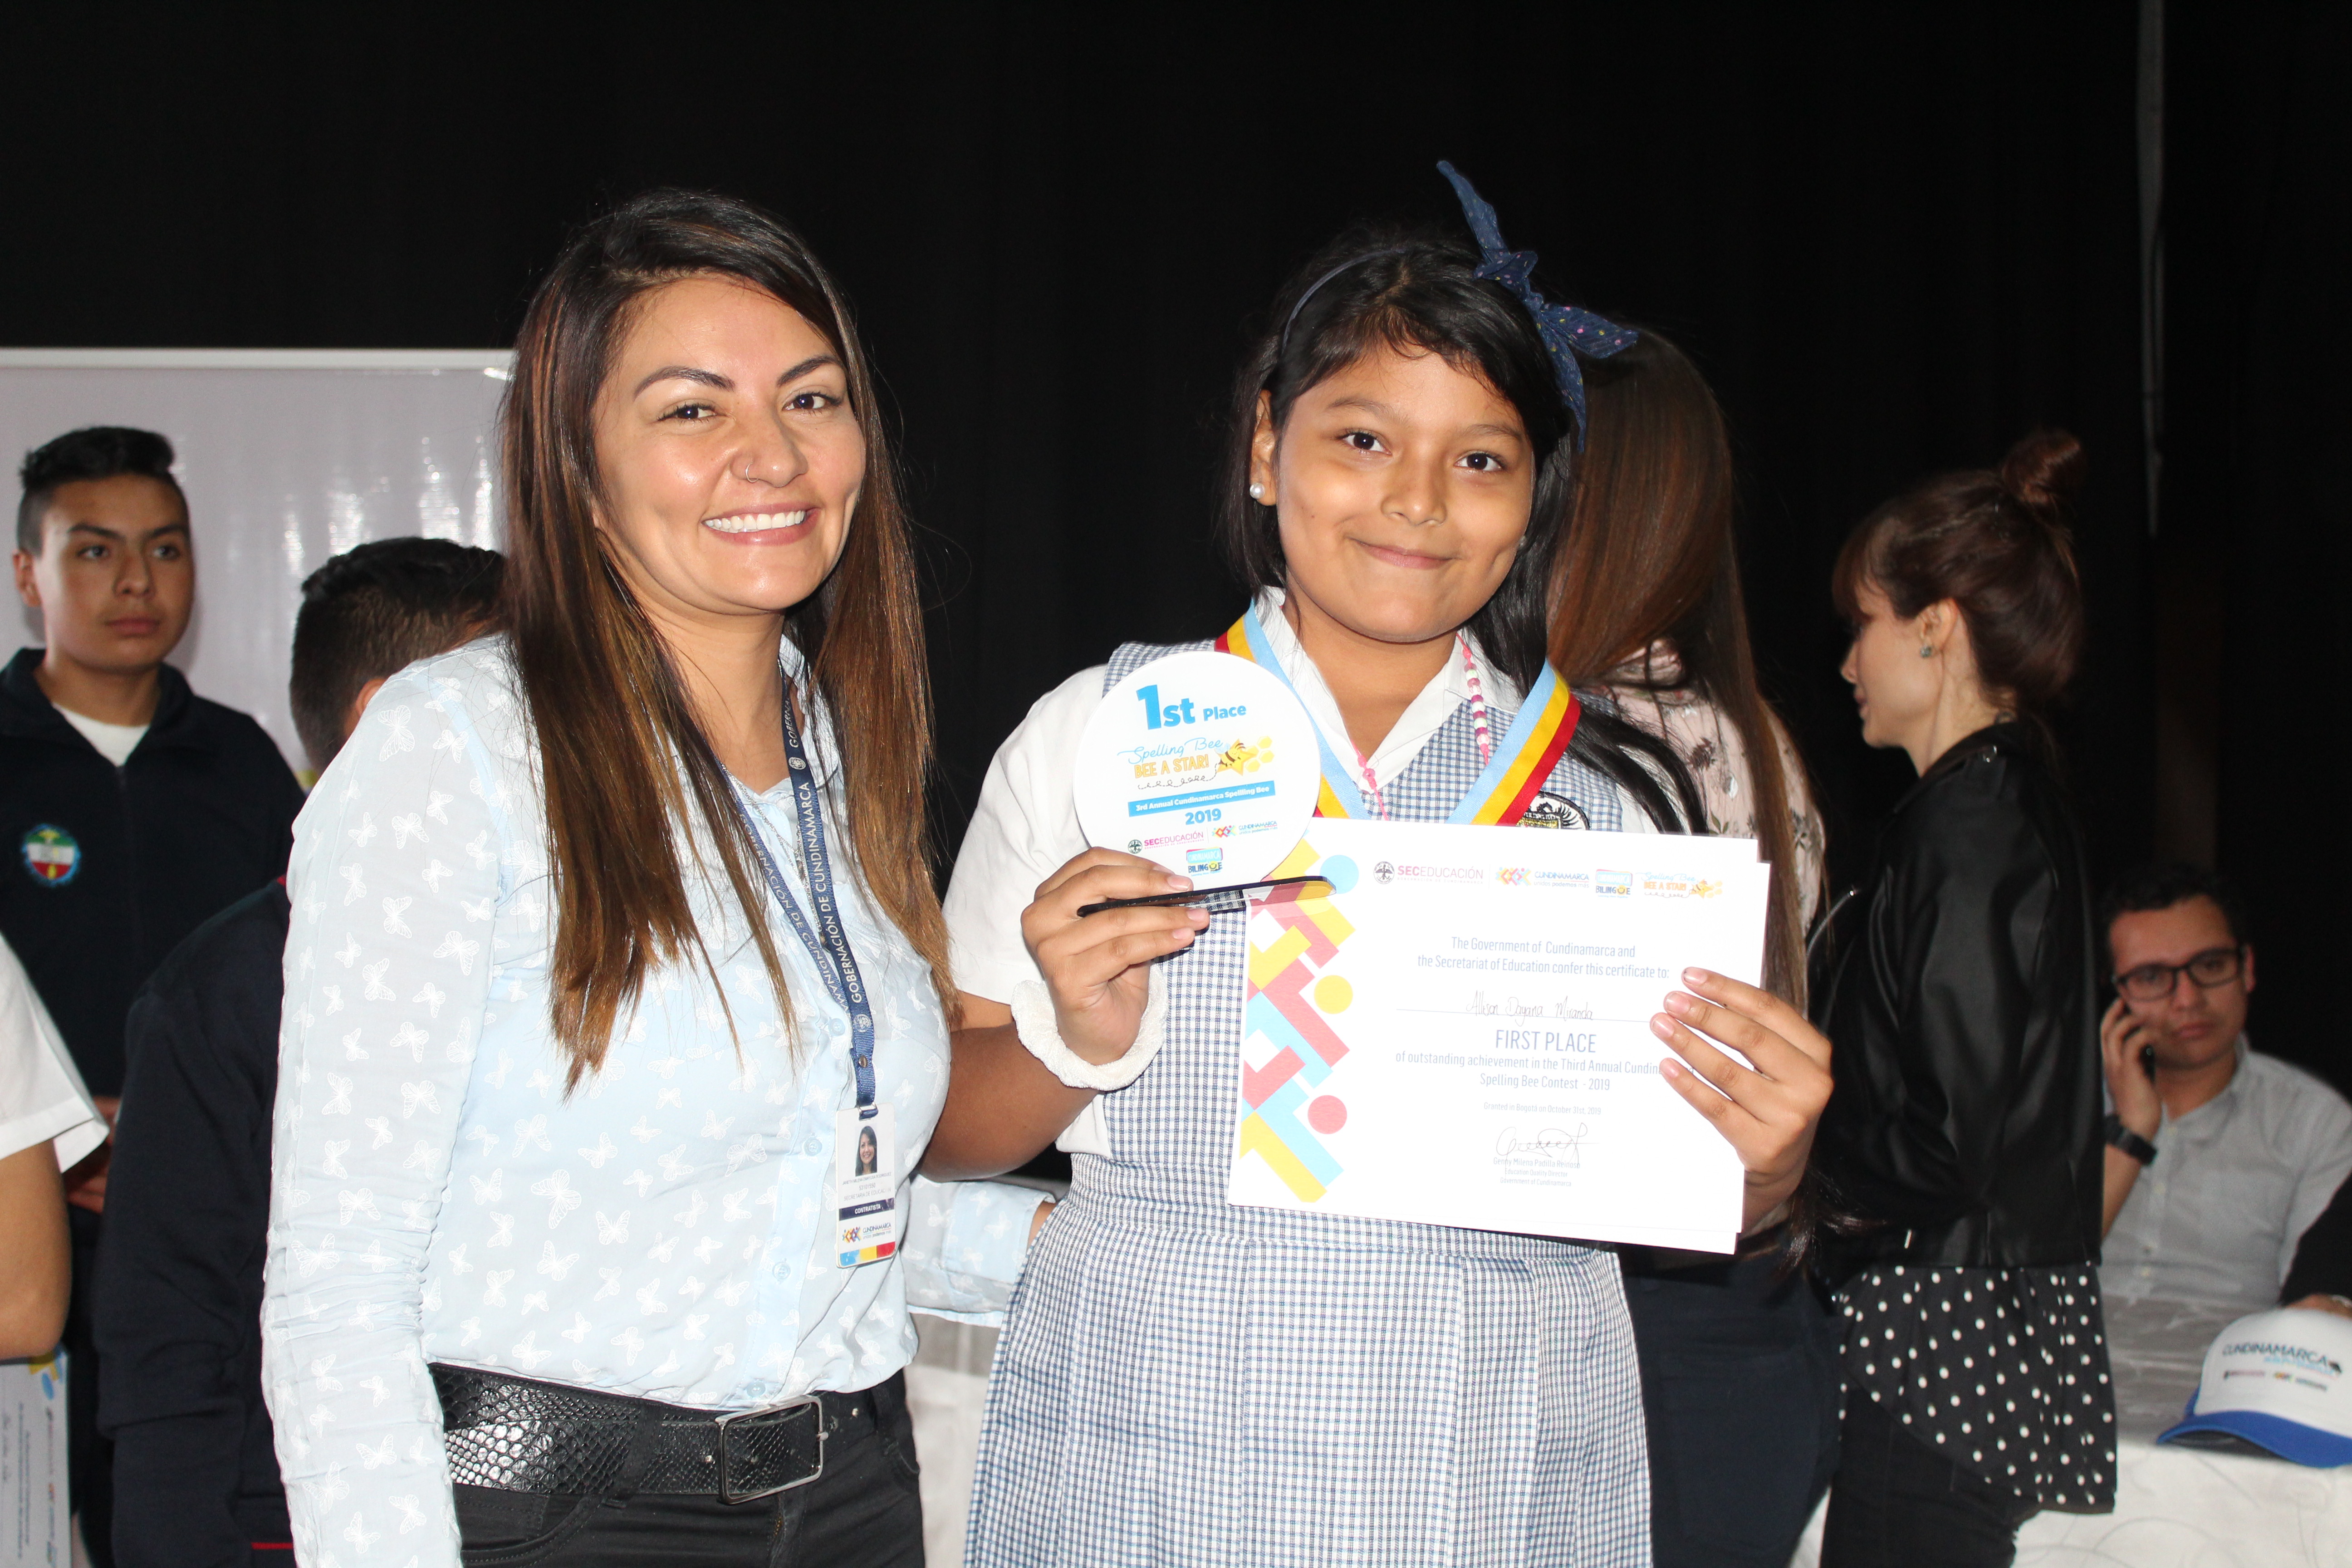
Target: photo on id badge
865, 1186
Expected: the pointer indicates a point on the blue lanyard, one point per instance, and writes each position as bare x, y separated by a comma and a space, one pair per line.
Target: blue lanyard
1342, 785
834, 961
1516, 740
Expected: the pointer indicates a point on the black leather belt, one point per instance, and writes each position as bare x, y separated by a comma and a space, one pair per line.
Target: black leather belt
519, 1435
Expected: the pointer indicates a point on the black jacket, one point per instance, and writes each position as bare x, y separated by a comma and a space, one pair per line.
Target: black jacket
1962, 1009
110, 868
178, 1297
2323, 1259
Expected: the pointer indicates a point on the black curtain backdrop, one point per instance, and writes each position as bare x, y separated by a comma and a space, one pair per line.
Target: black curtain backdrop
2257, 527
1896, 238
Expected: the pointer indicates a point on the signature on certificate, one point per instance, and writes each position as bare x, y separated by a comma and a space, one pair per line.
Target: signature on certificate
1552, 1145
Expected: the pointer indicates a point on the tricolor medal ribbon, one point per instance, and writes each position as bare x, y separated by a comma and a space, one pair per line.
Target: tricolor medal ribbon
1538, 737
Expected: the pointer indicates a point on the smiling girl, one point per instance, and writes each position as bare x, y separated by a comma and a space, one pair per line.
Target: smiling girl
614, 962
1183, 1381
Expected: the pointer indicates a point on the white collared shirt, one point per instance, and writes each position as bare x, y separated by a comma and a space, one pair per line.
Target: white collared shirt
1426, 714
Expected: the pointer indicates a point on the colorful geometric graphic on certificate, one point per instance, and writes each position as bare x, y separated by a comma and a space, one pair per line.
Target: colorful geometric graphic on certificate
1287, 1109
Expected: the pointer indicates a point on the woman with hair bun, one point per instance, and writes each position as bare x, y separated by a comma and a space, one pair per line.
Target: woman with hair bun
1962, 1145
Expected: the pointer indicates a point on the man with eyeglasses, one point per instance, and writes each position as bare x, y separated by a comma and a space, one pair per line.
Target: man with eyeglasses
2218, 1157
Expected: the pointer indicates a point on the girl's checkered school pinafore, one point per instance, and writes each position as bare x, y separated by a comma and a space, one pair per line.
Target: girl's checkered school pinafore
1183, 1382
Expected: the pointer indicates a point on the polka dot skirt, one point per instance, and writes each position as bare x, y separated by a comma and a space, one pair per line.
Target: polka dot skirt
2002, 1369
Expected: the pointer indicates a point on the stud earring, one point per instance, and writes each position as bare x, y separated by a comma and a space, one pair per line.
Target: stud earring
1926, 651
1257, 492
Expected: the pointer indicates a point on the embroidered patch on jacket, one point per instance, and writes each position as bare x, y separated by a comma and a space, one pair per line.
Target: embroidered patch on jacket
51, 854
1549, 810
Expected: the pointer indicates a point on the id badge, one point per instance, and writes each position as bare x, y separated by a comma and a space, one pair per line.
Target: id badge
866, 1185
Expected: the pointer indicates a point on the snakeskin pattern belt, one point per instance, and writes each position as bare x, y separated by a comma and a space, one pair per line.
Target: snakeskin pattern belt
518, 1435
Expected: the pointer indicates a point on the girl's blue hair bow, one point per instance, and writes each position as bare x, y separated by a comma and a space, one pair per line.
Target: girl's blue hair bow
1566, 330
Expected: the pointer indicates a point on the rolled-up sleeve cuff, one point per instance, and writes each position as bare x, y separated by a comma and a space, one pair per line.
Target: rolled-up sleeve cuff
1033, 1023
70, 1124
965, 1246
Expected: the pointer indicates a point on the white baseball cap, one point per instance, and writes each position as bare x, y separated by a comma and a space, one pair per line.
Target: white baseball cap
2276, 1380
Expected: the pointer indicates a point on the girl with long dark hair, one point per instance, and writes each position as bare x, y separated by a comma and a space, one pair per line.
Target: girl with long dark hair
1185, 1381
1961, 1148
1740, 1356
613, 942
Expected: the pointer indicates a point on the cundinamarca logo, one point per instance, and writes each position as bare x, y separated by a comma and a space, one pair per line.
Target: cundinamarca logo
2301, 1356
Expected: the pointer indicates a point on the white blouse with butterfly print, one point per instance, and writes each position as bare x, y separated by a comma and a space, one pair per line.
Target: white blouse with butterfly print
1645, 690
660, 1232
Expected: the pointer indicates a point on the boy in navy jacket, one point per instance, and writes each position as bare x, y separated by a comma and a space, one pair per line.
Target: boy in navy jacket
132, 810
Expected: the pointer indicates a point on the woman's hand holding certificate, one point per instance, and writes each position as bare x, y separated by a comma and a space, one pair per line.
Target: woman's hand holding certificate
1766, 1111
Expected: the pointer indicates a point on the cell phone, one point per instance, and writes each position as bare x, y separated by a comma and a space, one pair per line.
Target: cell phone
2147, 1062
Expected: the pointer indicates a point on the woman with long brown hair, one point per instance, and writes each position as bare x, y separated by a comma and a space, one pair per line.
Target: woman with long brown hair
616, 951
1647, 604
1739, 1357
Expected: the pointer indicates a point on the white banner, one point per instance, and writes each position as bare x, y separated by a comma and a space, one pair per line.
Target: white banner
288, 457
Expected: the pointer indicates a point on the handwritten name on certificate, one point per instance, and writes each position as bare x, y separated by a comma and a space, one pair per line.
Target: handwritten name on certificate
1458, 1031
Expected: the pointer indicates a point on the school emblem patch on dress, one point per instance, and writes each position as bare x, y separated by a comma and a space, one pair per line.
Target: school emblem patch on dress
1549, 810
51, 854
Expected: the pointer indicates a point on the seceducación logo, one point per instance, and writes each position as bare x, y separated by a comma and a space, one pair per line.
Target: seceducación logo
51, 855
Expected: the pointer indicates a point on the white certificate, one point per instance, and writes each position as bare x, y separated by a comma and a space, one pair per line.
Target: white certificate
1458, 1032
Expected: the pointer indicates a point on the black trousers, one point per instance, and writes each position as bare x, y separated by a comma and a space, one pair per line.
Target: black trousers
1740, 1392
89, 1457
1896, 1501
864, 1511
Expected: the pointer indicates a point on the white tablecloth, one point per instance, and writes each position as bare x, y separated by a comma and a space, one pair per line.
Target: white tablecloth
2176, 1507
